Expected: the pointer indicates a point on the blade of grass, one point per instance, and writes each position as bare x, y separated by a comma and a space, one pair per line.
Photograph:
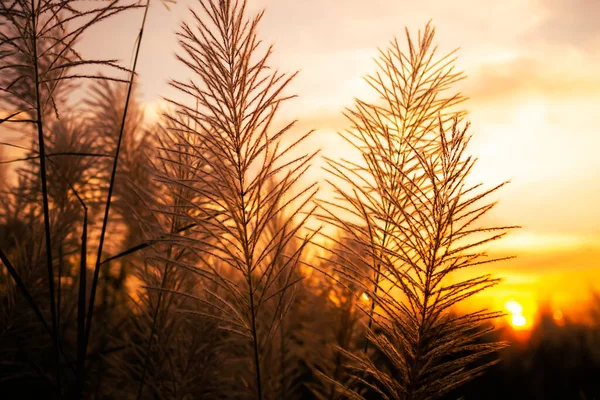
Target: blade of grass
145, 244
40, 131
90, 314
81, 306
21, 285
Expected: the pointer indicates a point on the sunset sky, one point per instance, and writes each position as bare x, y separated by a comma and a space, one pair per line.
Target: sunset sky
533, 81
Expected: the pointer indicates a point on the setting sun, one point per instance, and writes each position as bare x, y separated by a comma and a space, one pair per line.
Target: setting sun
514, 307
516, 314
518, 321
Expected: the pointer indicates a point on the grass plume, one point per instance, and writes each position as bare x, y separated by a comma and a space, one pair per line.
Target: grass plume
409, 204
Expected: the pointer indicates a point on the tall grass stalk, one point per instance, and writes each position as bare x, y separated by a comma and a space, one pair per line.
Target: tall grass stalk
221, 310
175, 222
90, 313
42, 150
409, 204
37, 58
236, 96
23, 289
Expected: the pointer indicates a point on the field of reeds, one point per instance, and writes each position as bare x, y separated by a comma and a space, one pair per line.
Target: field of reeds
194, 257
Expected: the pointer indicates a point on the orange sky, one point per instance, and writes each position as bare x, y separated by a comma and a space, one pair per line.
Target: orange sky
533, 72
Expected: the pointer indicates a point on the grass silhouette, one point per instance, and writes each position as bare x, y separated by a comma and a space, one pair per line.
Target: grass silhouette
204, 282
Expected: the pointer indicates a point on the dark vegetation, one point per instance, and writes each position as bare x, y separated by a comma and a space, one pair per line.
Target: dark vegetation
177, 260
557, 360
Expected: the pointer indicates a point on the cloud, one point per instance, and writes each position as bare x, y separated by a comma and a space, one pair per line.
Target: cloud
529, 75
338, 25
571, 22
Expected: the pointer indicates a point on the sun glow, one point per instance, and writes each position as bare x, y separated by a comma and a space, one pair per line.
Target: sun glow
518, 321
513, 307
558, 315
515, 313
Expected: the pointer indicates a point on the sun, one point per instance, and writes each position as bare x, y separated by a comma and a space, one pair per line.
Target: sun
514, 307
518, 321
515, 311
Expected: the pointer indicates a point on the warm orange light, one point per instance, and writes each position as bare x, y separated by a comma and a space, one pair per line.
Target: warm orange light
334, 298
364, 297
558, 315
513, 307
518, 321
515, 311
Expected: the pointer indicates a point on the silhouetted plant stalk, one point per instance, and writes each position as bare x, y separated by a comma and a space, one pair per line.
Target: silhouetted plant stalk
175, 165
412, 208
37, 57
159, 324
19, 282
168, 265
59, 154
81, 343
42, 149
90, 313
226, 206
236, 98
80, 360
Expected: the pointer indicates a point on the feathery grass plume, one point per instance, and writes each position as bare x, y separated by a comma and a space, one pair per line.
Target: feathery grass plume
170, 354
89, 318
20, 214
37, 55
409, 203
339, 321
235, 97
104, 110
283, 358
